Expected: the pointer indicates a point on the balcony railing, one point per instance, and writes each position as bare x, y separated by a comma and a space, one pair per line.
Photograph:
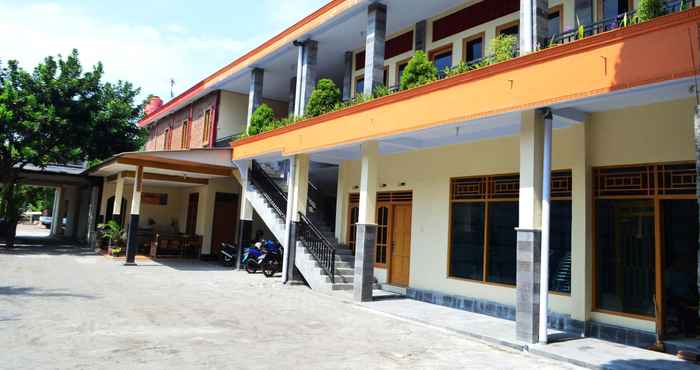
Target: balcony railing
619, 21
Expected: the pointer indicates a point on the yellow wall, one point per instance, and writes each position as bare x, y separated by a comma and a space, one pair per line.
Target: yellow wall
233, 109
652, 133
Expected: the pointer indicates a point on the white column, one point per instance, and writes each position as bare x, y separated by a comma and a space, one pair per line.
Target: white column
368, 183
340, 211
118, 196
92, 215
581, 225
546, 198
56, 210
300, 78
288, 265
301, 186
533, 25
531, 157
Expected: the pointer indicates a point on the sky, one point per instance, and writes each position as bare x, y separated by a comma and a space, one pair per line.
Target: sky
145, 42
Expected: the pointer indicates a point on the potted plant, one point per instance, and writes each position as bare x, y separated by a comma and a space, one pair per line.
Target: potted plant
116, 236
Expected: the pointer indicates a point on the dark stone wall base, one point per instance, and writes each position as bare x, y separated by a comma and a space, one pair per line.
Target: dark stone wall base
366, 238
557, 321
131, 245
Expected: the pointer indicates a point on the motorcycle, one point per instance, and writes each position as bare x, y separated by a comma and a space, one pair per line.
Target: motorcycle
272, 259
252, 258
228, 254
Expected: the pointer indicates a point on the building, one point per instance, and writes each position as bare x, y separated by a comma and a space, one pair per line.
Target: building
440, 189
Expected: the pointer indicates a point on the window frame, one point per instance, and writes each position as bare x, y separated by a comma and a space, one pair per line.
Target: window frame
357, 80
185, 136
486, 202
206, 125
441, 50
560, 9
468, 39
507, 25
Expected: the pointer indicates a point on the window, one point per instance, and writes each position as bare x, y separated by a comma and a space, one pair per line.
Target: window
385, 77
512, 28
185, 137
168, 138
474, 48
442, 58
484, 215
206, 129
382, 234
612, 8
554, 21
399, 70
352, 227
359, 86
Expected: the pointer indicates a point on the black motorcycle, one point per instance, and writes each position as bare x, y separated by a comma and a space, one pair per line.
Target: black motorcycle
272, 258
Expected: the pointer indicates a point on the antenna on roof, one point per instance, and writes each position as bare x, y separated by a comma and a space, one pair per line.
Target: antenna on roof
172, 83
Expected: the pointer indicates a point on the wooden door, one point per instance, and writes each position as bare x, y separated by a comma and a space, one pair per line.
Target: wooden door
225, 221
192, 206
400, 259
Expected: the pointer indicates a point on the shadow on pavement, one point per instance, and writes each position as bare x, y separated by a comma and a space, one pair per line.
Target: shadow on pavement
187, 265
635, 364
39, 245
28, 291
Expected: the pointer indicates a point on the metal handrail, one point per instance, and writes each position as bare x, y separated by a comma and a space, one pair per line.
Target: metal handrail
318, 245
276, 198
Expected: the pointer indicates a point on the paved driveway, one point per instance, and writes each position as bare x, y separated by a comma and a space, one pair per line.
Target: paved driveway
63, 308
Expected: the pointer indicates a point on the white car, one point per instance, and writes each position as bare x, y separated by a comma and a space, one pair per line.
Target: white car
46, 221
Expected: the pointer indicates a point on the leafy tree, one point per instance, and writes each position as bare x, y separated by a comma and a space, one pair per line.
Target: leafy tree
261, 120
649, 9
503, 47
323, 99
419, 71
60, 114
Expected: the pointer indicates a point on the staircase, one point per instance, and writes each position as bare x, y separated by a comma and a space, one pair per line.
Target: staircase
325, 264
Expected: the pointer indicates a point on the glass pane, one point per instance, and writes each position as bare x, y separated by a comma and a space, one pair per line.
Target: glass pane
401, 68
625, 256
513, 30
554, 23
474, 49
560, 246
442, 61
680, 243
612, 8
503, 219
467, 249
360, 86
382, 234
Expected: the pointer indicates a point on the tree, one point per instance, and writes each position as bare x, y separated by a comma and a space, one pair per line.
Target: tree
419, 71
261, 120
60, 114
323, 99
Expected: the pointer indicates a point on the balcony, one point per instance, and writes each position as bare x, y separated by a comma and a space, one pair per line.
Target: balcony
611, 63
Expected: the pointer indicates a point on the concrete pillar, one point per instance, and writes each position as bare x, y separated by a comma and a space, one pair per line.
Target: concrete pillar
347, 76
529, 226
581, 225
56, 211
374, 47
306, 73
118, 196
92, 215
533, 25
132, 245
255, 93
72, 194
583, 10
420, 36
292, 95
245, 225
546, 202
290, 225
366, 237
340, 201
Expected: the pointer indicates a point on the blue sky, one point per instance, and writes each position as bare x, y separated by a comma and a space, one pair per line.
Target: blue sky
145, 42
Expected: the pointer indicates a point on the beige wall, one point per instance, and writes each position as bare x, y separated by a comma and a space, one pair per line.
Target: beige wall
234, 112
653, 133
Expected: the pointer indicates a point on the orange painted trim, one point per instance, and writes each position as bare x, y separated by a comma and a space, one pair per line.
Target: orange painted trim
199, 87
551, 54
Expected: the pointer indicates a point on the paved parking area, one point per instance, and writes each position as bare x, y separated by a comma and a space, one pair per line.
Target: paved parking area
65, 308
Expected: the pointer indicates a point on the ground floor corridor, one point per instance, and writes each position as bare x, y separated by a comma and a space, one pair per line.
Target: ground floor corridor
66, 308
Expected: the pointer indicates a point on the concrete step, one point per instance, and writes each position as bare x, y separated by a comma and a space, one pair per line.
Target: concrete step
342, 287
340, 279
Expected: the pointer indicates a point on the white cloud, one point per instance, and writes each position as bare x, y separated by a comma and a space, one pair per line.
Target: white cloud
148, 56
